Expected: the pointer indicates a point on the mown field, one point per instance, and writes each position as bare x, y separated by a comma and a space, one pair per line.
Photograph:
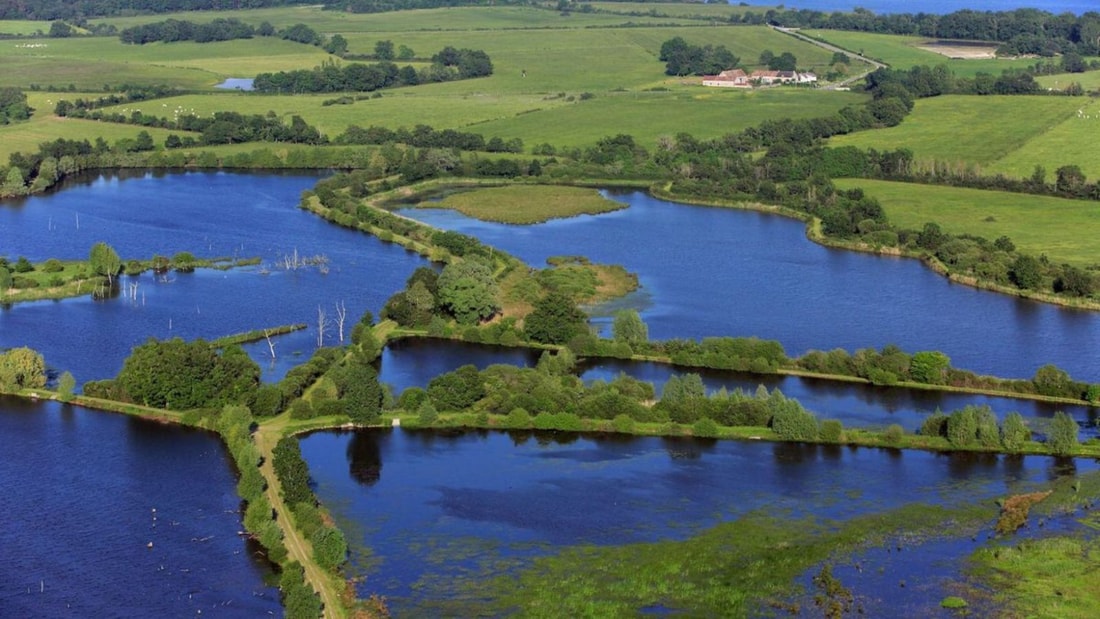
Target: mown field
902, 52
1036, 224
1005, 134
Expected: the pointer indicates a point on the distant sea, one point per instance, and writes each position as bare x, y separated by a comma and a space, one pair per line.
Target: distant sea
942, 6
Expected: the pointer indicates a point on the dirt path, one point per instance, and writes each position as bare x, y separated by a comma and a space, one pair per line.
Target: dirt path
267, 436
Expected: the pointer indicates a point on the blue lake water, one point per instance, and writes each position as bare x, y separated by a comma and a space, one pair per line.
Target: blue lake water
427, 502
209, 214
81, 489
436, 509
725, 272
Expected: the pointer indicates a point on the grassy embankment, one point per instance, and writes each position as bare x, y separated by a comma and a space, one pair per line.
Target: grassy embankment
255, 335
1036, 224
526, 204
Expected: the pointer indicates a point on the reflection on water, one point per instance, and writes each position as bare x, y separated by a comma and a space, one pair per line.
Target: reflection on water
450, 499
725, 272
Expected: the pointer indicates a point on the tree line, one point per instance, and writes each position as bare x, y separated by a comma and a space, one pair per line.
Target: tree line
447, 65
1020, 31
682, 58
76, 9
172, 30
551, 396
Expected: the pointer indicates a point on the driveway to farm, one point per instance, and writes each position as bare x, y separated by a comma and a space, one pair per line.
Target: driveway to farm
833, 48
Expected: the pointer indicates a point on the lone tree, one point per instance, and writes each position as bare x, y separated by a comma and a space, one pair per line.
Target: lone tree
467, 289
104, 261
1062, 434
628, 327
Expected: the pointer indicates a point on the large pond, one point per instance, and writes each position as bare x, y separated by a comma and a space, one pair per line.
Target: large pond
110, 516
438, 511
711, 271
210, 214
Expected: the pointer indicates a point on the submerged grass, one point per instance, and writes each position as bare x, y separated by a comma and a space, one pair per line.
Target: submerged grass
734, 569
1051, 577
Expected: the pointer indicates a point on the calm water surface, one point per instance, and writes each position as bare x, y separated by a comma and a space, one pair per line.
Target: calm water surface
436, 509
711, 272
81, 487
209, 214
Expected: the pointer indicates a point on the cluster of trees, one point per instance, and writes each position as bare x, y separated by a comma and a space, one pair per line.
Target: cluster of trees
172, 30
179, 375
13, 106
785, 61
682, 58
447, 65
424, 136
464, 291
78, 9
976, 426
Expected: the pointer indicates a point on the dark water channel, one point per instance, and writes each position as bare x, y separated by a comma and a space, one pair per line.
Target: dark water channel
723, 272
441, 511
81, 488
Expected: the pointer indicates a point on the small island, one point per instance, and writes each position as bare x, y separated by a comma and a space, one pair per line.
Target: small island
526, 204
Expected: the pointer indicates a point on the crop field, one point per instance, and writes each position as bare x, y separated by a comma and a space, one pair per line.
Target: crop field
902, 52
1036, 224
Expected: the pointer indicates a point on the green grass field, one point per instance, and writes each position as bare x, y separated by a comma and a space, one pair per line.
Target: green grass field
968, 128
902, 52
1000, 134
1036, 224
89, 63
1089, 80
23, 27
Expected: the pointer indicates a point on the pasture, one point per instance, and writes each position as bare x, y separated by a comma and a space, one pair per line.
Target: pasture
972, 129
995, 134
535, 119
89, 63
1036, 224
